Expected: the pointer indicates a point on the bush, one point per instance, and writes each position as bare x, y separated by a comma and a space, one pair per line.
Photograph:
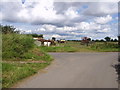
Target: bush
105, 46
8, 29
15, 45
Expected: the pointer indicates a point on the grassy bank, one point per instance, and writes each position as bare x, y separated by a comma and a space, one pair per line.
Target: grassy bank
77, 47
15, 45
21, 58
13, 70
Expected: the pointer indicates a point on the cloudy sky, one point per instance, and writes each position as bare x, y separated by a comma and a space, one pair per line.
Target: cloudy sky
63, 20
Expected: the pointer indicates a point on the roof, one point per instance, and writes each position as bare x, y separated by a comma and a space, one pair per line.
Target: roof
43, 40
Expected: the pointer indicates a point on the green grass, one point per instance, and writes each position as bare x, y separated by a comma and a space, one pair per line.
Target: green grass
13, 71
105, 47
36, 54
65, 47
15, 45
71, 46
58, 49
18, 48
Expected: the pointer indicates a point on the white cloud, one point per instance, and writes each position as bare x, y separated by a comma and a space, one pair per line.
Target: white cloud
45, 11
79, 30
35, 13
63, 0
57, 36
101, 8
25, 31
103, 20
104, 30
87, 26
71, 13
23, 15
62, 20
49, 12
54, 29
1, 16
49, 27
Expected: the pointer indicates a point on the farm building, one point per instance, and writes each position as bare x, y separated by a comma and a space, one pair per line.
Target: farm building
43, 42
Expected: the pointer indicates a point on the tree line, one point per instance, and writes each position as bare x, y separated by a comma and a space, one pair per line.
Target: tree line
108, 39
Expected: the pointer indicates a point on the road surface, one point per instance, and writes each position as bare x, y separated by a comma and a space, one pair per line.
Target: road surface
76, 70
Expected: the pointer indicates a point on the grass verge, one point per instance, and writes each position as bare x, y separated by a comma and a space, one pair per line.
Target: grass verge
13, 71
77, 47
58, 49
105, 47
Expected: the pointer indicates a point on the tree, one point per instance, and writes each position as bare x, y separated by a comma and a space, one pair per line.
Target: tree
53, 38
8, 29
97, 40
107, 39
111, 40
38, 36
115, 40
85, 40
101, 40
93, 40
119, 41
34, 35
89, 39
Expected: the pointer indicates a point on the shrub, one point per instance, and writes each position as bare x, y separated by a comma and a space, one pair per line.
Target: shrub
104, 46
8, 29
15, 45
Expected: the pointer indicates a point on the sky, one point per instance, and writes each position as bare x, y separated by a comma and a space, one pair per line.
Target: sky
62, 20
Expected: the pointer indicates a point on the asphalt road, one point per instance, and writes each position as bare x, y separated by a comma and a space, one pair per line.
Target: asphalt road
76, 70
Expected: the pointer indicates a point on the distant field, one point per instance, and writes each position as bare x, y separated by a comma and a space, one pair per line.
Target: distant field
105, 47
71, 46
